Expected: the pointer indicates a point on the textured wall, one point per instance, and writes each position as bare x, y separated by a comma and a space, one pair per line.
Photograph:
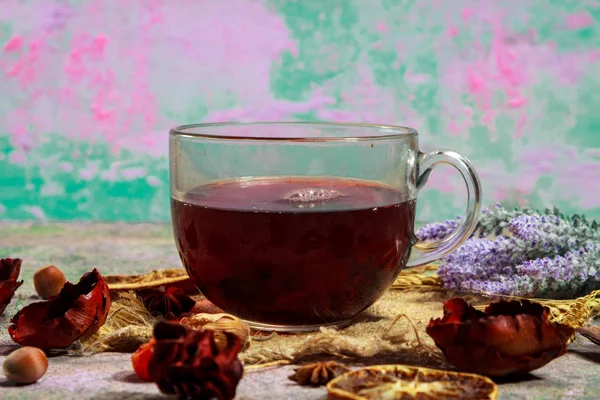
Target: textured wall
89, 88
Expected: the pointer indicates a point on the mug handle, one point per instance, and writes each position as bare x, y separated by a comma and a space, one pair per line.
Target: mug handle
432, 251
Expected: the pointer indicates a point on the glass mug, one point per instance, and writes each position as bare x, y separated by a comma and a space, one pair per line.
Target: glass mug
295, 225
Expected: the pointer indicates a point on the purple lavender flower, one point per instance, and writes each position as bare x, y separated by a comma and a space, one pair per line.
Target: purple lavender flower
502, 267
545, 254
437, 230
552, 233
561, 276
479, 260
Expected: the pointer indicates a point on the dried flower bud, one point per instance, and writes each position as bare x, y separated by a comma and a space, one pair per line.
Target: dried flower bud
188, 363
48, 281
170, 302
25, 365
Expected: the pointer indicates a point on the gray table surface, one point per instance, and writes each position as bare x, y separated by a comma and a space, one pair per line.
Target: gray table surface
135, 248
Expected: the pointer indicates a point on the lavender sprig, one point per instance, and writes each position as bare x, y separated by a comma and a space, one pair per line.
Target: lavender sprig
495, 221
547, 235
540, 254
573, 274
438, 230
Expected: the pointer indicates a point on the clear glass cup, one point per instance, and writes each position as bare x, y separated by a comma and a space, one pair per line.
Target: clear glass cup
293, 226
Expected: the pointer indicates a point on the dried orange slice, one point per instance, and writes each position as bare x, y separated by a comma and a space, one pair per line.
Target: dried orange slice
400, 382
176, 277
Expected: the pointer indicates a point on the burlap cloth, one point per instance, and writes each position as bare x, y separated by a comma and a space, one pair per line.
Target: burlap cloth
390, 331
393, 329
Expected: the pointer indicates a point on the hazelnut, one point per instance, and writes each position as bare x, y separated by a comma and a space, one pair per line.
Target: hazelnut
48, 281
25, 365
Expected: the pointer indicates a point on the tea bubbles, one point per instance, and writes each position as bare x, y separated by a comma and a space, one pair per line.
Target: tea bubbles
308, 197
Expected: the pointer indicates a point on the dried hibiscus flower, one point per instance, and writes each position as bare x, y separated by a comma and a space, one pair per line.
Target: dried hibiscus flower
76, 312
318, 374
510, 337
171, 302
9, 273
188, 363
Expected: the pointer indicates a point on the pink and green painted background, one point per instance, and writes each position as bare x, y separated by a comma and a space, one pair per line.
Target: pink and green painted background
89, 88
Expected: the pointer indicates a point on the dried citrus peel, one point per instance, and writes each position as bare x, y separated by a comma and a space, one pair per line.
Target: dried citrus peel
176, 277
391, 382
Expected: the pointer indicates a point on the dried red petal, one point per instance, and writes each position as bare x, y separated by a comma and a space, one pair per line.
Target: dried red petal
510, 337
171, 303
188, 363
77, 312
141, 358
9, 273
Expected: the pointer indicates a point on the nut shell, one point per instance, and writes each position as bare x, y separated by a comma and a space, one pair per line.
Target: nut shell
25, 365
219, 324
48, 281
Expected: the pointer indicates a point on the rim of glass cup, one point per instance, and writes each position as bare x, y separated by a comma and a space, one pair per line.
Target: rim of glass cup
380, 132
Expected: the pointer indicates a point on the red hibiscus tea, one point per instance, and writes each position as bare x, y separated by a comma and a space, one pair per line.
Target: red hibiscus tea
295, 251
